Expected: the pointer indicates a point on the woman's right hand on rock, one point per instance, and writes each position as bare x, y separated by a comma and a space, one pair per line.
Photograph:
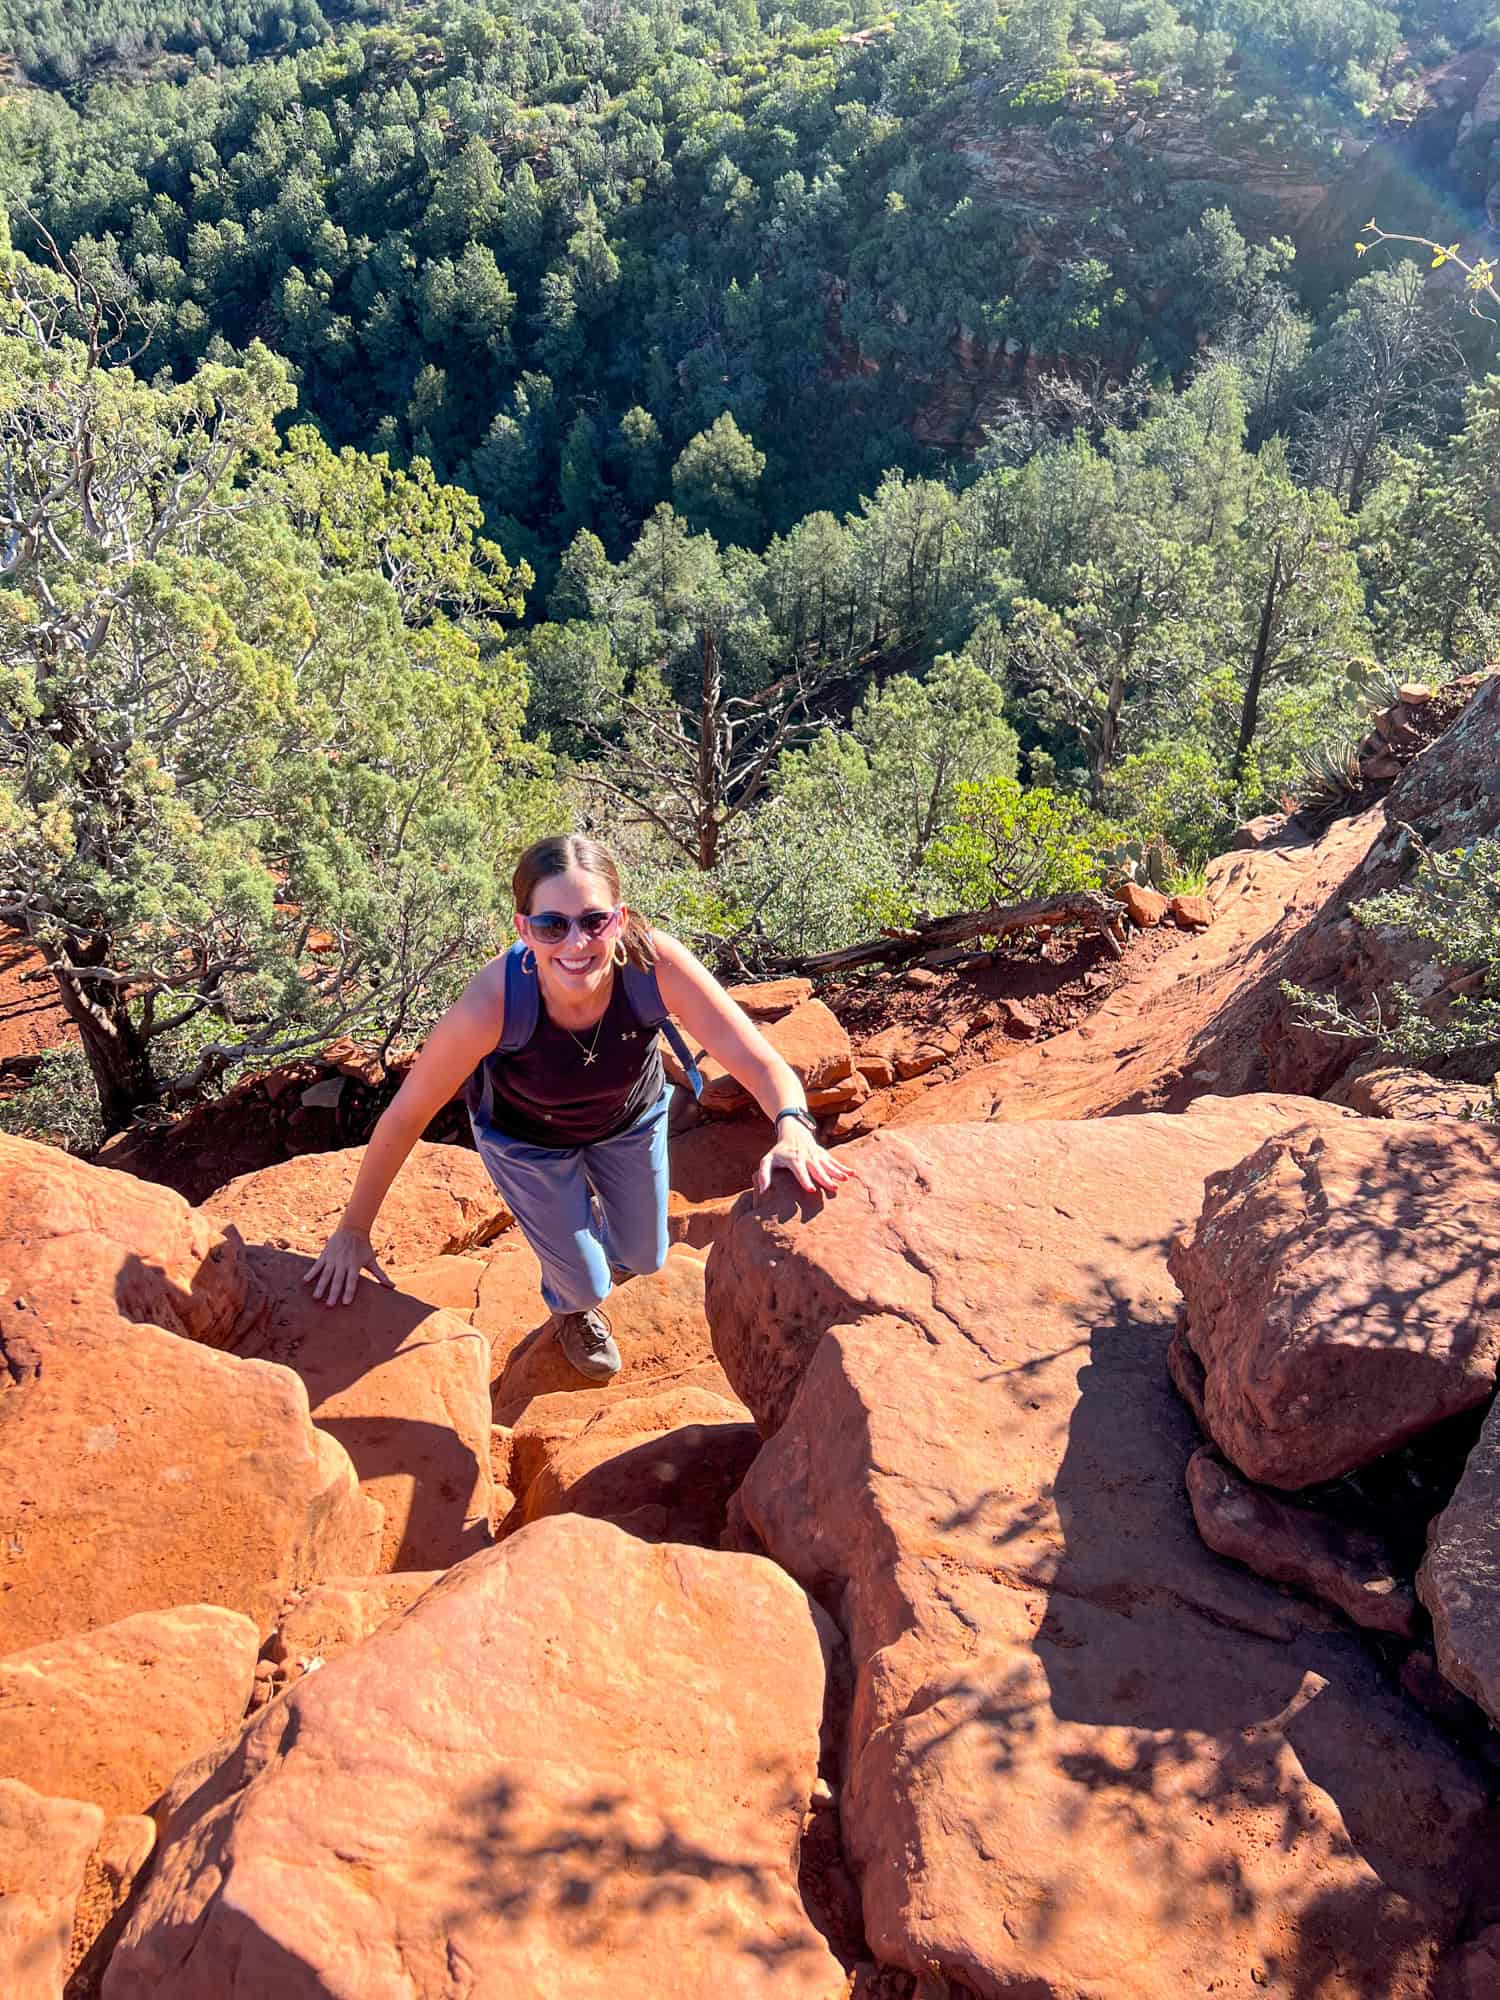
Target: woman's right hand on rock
335, 1274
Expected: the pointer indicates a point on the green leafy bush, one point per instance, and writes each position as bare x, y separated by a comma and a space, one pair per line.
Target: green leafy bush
1008, 845
1176, 791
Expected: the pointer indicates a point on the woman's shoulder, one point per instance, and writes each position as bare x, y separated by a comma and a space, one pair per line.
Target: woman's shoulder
483, 999
667, 949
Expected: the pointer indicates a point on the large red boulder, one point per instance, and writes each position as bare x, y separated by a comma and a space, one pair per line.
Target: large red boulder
578, 1765
405, 1390
808, 1037
1342, 1291
442, 1202
45, 1845
111, 1715
140, 1469
1459, 1581
663, 1463
1085, 1755
70, 1232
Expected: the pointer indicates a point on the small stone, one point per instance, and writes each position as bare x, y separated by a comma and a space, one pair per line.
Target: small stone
1144, 907
1416, 694
323, 1096
1192, 913
1019, 1019
921, 975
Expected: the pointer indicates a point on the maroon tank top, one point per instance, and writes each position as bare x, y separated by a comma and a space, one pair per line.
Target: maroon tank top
550, 1094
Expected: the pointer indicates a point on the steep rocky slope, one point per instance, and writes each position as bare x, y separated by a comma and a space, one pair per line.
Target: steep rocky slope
871, 1635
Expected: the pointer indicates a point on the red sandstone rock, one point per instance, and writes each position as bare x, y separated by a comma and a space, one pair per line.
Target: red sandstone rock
1019, 1019
1191, 913
1451, 793
978, 1457
845, 1095
317, 1625
662, 1464
110, 1715
856, 1124
578, 1765
138, 1467
877, 1070
1298, 1546
908, 1050
808, 1037
45, 1845
1377, 1088
70, 1232
1186, 1371
441, 1203
405, 1390
1343, 1293
1459, 1581
769, 999
327, 1620
1259, 832
1145, 907
658, 1322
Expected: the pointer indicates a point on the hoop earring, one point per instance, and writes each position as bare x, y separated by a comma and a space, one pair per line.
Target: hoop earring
528, 953
619, 955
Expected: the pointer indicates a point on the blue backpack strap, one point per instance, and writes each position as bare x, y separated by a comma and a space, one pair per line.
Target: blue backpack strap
520, 1002
646, 1003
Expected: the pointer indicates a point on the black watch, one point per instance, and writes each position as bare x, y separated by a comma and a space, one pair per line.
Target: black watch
802, 1118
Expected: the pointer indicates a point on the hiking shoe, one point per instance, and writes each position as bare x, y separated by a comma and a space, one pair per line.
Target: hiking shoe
588, 1346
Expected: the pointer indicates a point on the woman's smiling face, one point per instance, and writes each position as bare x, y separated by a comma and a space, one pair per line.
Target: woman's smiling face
578, 964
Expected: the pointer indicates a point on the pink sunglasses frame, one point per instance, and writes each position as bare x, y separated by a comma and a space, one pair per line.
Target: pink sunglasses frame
574, 924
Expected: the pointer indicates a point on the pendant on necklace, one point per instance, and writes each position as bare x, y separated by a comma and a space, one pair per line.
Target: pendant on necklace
588, 1059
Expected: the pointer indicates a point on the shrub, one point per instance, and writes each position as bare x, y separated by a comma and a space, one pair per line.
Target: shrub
1176, 792
1008, 845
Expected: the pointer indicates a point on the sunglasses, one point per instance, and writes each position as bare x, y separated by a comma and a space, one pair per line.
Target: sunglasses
552, 927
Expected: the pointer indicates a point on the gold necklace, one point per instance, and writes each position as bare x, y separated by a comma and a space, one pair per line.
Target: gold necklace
591, 1051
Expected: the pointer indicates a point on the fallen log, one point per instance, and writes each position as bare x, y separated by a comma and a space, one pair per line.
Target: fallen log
1091, 909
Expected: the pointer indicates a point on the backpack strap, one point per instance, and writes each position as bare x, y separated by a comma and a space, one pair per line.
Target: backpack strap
646, 1003
521, 1002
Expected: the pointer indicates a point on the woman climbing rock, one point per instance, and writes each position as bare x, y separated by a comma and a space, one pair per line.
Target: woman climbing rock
554, 1044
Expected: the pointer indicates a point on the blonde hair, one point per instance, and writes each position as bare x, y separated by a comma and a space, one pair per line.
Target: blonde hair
555, 856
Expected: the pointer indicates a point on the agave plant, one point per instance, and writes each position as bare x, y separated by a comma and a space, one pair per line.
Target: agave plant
1330, 774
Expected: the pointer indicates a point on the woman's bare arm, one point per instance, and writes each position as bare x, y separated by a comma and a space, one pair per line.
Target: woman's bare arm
459, 1040
719, 1025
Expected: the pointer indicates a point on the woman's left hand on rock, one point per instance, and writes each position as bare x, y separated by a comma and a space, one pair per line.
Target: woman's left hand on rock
799, 1154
